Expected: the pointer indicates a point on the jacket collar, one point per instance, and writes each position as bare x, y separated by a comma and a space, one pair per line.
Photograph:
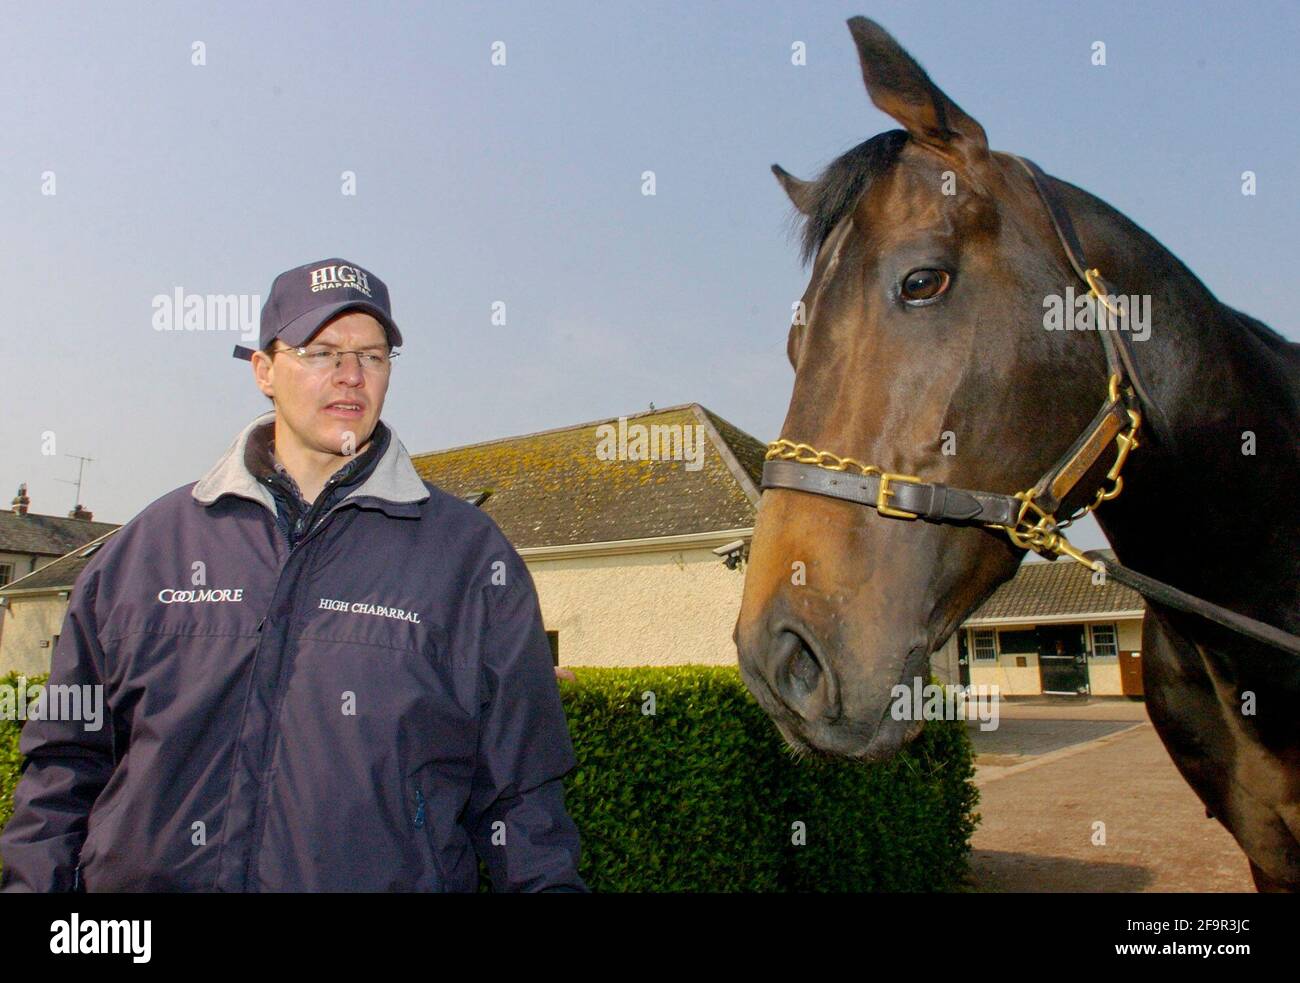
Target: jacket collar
394, 483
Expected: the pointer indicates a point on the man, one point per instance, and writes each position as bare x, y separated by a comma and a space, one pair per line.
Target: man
321, 672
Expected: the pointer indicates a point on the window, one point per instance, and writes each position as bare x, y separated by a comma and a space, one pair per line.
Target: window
1104, 642
553, 638
1020, 642
983, 645
6, 573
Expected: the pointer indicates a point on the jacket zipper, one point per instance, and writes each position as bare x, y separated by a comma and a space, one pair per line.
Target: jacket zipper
304, 519
259, 808
419, 809
421, 822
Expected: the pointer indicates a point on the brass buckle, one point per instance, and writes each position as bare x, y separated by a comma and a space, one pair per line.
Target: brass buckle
789, 450
1124, 443
887, 492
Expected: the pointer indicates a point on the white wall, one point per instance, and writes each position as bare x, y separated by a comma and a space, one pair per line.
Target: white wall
24, 624
640, 609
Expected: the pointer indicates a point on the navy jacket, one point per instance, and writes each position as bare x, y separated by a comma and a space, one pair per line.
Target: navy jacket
366, 710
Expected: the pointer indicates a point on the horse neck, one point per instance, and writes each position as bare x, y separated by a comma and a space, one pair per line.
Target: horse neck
1194, 497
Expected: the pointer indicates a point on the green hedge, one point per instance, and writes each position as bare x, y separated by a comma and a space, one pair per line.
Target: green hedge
703, 794
10, 758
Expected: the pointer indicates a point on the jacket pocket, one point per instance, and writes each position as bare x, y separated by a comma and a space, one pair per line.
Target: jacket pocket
424, 828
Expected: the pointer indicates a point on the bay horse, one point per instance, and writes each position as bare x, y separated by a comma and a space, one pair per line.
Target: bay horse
923, 348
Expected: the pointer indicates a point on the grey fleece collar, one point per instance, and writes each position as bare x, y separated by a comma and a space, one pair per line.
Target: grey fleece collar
394, 478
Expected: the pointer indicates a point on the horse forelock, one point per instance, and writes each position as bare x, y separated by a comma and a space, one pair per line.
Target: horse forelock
838, 188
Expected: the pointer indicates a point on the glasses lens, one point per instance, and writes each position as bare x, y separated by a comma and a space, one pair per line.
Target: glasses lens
320, 357
326, 358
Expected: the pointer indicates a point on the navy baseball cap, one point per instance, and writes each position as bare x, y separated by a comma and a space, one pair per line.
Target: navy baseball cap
304, 298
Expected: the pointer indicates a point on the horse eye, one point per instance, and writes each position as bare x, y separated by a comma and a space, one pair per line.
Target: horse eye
922, 286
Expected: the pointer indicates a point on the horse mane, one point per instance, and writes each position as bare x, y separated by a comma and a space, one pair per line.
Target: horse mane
1271, 338
1275, 343
842, 183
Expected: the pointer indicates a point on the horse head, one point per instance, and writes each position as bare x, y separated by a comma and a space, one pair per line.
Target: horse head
919, 348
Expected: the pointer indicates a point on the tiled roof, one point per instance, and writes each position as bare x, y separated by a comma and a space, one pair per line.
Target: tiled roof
62, 573
1062, 588
553, 488
46, 535
748, 451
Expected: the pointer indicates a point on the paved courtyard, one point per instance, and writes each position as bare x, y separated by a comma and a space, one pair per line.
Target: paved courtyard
1054, 769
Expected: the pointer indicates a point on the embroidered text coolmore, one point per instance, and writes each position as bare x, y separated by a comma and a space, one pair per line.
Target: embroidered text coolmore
207, 596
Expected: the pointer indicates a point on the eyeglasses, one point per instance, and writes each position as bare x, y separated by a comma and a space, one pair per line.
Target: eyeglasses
322, 358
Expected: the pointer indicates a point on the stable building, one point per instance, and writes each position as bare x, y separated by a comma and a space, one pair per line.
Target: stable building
33, 609
30, 543
1054, 629
30, 540
632, 528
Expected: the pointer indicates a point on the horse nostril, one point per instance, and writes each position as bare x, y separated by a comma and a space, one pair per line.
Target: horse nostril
797, 670
804, 669
794, 675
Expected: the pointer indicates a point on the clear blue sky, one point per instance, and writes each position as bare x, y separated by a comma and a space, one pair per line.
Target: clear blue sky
522, 184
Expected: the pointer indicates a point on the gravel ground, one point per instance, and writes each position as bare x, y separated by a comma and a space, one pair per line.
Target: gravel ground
1054, 769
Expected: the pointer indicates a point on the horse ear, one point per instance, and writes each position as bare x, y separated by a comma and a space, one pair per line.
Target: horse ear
899, 86
800, 192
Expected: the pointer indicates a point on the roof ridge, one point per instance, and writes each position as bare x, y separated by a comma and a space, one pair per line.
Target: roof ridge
738, 429
728, 453
61, 518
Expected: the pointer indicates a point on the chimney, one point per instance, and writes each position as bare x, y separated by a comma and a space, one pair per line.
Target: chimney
80, 513
21, 501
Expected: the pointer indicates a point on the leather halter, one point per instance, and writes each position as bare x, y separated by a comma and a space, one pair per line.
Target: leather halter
1027, 517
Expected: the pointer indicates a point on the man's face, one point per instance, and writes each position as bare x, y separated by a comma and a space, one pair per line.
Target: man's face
307, 398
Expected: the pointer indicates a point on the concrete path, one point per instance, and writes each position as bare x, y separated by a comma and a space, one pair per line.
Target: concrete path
1053, 770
